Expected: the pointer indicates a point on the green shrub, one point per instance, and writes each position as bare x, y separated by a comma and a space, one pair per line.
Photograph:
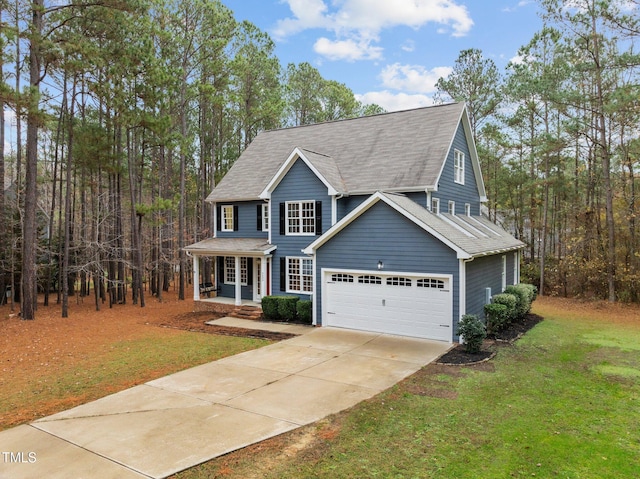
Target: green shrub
473, 332
510, 301
279, 308
287, 307
270, 308
533, 291
496, 316
523, 300
303, 308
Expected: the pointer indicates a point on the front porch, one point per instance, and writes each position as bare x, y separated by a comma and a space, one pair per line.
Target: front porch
241, 271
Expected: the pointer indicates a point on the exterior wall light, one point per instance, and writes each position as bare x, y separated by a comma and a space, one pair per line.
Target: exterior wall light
380, 265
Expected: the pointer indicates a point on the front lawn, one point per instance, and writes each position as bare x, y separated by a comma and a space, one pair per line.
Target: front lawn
563, 401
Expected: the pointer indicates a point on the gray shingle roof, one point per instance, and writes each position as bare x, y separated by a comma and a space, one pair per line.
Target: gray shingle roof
403, 149
231, 246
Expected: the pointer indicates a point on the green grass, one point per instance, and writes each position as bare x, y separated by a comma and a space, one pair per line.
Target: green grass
122, 365
564, 402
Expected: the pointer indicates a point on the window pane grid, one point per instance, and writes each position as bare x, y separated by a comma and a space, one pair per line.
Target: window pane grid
230, 270
301, 217
300, 275
227, 218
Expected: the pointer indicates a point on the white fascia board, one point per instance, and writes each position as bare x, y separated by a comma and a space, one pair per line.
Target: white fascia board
475, 161
284, 169
364, 206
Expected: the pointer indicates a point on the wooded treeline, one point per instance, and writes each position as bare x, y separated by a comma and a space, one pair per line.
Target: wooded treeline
558, 138
129, 111
133, 109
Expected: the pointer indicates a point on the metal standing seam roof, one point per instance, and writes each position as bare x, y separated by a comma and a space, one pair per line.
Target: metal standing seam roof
475, 235
389, 151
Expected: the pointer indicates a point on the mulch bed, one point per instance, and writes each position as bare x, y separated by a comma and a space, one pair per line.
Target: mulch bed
458, 356
196, 322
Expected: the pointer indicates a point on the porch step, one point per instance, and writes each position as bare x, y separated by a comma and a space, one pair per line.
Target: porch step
247, 312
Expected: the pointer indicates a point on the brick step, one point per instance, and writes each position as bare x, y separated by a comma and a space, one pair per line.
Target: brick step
247, 312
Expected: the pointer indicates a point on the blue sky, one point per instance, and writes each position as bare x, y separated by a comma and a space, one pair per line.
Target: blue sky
391, 52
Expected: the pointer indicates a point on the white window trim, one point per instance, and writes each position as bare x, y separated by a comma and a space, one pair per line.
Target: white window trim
300, 260
467, 209
458, 167
230, 272
265, 217
435, 205
451, 207
226, 211
300, 217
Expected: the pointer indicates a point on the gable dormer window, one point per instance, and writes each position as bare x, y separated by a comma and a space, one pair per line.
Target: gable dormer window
458, 167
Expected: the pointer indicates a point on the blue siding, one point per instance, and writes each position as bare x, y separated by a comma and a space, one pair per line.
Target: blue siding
482, 273
299, 184
449, 190
349, 203
381, 233
247, 221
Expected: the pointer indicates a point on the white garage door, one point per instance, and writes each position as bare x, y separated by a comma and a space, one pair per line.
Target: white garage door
403, 304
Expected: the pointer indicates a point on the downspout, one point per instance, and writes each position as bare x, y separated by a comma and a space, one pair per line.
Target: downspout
462, 300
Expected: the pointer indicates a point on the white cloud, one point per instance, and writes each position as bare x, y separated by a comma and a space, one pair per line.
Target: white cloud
395, 101
413, 78
518, 60
409, 46
358, 22
349, 50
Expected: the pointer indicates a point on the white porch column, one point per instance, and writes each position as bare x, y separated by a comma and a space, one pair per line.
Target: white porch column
263, 277
238, 282
196, 278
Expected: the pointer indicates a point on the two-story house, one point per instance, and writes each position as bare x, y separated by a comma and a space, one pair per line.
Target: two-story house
375, 219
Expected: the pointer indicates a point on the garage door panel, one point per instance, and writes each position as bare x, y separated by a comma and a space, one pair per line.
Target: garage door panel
392, 308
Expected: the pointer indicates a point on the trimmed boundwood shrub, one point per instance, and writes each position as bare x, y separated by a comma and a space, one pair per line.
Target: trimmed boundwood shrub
279, 308
303, 308
473, 332
510, 301
270, 308
497, 317
287, 307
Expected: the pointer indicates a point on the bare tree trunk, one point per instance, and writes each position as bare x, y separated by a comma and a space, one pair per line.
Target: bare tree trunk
67, 209
29, 233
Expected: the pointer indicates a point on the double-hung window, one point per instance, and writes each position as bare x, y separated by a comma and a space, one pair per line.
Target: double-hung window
226, 220
458, 167
299, 275
301, 217
230, 270
435, 205
265, 217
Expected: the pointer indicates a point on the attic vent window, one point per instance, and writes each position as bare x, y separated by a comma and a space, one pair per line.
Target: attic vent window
458, 167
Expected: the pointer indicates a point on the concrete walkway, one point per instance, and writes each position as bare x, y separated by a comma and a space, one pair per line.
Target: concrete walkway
175, 422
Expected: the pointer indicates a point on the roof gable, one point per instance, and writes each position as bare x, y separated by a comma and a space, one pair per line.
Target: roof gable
324, 167
400, 151
469, 237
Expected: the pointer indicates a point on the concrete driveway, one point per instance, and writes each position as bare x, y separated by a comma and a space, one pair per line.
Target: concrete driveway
170, 424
